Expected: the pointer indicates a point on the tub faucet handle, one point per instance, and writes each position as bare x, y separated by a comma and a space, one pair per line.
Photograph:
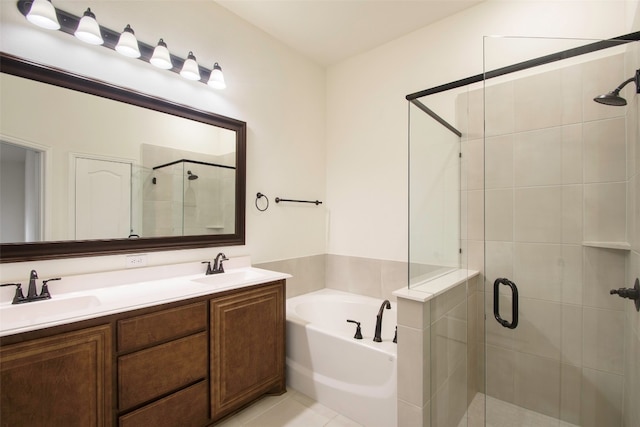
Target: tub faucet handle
358, 334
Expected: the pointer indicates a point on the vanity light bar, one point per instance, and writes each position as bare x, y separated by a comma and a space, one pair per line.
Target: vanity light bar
69, 23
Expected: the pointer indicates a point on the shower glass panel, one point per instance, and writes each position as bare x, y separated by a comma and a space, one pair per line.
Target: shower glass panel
434, 190
561, 225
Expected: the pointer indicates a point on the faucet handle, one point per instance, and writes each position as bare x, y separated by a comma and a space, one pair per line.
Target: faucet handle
19, 296
209, 270
44, 293
358, 334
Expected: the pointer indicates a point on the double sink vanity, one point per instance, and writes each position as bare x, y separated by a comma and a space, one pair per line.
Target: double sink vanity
161, 346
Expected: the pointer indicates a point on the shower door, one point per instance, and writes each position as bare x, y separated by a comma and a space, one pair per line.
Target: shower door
561, 183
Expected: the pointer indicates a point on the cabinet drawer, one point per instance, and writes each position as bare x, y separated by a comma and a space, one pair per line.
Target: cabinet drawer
141, 331
159, 370
188, 407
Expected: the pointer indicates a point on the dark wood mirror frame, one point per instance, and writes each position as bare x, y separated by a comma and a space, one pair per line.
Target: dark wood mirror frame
17, 252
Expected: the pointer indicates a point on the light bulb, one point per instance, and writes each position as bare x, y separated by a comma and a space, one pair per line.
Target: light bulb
190, 68
161, 57
88, 29
43, 14
128, 44
216, 80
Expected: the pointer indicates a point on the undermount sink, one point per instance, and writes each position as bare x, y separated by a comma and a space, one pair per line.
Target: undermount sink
36, 310
229, 278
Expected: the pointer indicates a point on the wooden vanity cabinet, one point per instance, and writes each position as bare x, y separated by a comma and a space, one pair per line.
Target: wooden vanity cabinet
60, 380
247, 347
182, 364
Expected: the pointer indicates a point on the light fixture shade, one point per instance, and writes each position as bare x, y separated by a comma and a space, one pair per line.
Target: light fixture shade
161, 57
128, 44
190, 68
88, 29
216, 80
43, 14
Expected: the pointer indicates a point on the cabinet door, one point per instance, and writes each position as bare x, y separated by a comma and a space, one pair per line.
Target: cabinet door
247, 347
63, 380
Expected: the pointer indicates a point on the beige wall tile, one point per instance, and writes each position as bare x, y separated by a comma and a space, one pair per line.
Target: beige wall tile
414, 314
572, 206
473, 164
499, 113
499, 260
572, 274
538, 270
501, 365
411, 415
601, 399
571, 94
603, 339
538, 214
572, 148
537, 384
413, 372
499, 161
570, 393
605, 150
537, 157
538, 331
308, 273
538, 101
605, 212
475, 215
499, 214
571, 335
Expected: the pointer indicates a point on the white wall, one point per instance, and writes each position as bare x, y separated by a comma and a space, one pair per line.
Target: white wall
367, 113
279, 93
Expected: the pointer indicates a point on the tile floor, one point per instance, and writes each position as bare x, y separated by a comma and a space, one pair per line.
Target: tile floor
294, 409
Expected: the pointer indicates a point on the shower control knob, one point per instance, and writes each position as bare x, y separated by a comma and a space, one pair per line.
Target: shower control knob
630, 293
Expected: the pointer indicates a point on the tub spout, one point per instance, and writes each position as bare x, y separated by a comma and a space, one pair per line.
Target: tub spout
377, 337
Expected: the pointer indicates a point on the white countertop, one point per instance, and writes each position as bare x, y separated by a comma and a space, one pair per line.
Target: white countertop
84, 297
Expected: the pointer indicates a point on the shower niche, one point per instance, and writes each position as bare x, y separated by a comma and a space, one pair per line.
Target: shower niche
181, 196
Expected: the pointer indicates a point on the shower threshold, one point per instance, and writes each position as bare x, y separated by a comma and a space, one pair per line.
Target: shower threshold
505, 414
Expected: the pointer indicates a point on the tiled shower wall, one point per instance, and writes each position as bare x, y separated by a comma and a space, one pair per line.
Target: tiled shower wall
549, 177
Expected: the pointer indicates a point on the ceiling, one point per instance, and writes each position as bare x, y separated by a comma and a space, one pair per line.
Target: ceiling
328, 31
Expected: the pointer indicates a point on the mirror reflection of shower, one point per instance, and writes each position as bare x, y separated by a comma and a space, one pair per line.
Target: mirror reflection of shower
613, 98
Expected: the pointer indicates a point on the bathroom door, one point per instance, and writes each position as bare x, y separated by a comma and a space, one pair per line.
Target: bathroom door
102, 199
558, 183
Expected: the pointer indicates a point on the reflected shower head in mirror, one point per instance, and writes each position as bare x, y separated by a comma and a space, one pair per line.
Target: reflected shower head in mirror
613, 98
191, 176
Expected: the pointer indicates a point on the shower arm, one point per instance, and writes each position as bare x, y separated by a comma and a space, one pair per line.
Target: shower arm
635, 78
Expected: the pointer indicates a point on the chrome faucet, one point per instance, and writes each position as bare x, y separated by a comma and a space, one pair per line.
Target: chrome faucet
217, 264
377, 337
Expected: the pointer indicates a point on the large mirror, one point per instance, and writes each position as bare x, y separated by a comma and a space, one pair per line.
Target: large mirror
89, 168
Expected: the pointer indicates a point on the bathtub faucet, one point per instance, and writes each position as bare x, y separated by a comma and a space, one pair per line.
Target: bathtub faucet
377, 337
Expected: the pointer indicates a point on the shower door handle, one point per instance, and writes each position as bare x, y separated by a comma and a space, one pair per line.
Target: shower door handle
514, 305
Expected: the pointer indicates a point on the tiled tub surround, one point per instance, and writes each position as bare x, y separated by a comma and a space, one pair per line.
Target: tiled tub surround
556, 204
363, 276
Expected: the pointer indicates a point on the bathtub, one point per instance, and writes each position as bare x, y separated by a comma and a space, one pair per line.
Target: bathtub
356, 378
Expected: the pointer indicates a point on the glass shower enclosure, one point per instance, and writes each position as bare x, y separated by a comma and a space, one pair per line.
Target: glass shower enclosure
548, 210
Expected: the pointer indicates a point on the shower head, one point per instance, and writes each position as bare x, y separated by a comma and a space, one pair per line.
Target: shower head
191, 177
613, 98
